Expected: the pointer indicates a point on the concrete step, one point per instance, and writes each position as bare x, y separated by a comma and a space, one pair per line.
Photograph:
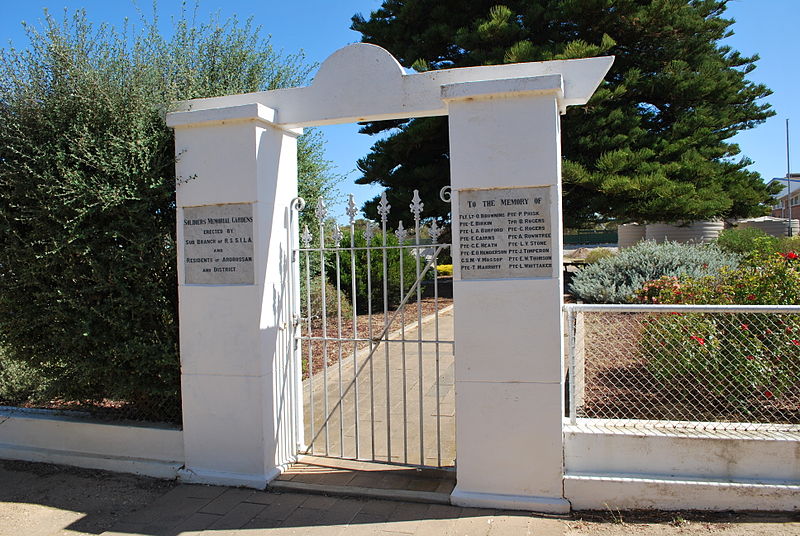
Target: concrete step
356, 478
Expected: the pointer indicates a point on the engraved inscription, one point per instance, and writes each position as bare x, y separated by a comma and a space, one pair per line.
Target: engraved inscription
218, 244
504, 233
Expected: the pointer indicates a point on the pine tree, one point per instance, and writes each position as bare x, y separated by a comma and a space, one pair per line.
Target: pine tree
651, 145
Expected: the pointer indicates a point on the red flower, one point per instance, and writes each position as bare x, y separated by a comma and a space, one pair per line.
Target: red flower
791, 255
795, 342
751, 297
768, 394
745, 326
749, 357
701, 340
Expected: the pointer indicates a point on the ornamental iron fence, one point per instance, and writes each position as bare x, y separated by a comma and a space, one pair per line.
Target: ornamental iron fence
377, 360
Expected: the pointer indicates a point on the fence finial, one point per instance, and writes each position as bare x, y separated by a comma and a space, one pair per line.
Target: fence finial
383, 207
306, 237
321, 211
401, 233
416, 205
352, 211
435, 231
337, 233
369, 232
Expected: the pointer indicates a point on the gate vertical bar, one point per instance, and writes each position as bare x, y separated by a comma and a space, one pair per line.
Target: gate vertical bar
435, 232
369, 233
416, 209
322, 213
383, 210
307, 244
296, 324
337, 239
402, 235
351, 213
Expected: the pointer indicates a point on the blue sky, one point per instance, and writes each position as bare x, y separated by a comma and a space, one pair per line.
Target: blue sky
320, 27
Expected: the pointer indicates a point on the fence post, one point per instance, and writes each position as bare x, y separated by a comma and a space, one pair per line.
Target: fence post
236, 176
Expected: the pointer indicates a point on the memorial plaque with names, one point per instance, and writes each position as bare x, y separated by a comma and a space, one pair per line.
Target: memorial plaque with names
504, 233
218, 244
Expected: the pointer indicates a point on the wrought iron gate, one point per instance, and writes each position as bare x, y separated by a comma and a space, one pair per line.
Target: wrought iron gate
375, 338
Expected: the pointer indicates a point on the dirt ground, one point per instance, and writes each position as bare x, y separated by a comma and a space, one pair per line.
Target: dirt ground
646, 523
39, 499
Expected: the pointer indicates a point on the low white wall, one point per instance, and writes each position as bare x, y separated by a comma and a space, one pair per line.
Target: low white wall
44, 436
669, 469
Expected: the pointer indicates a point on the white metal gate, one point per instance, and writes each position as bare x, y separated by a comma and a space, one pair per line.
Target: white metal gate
375, 339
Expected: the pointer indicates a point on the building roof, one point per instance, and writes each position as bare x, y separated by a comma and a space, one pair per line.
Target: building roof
793, 179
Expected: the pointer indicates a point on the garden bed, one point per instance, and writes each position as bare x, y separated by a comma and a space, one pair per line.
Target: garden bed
363, 322
625, 379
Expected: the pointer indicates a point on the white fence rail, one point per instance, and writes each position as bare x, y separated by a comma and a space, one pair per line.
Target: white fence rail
700, 367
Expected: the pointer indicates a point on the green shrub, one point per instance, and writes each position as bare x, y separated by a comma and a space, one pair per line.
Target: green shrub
19, 382
393, 272
740, 357
767, 278
88, 283
598, 254
745, 241
788, 244
332, 300
616, 279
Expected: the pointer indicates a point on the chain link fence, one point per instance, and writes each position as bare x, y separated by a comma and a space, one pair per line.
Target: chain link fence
708, 367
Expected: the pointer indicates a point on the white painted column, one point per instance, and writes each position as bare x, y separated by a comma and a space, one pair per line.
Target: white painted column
508, 332
238, 385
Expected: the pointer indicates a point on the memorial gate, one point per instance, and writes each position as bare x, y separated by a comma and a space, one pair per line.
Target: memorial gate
239, 246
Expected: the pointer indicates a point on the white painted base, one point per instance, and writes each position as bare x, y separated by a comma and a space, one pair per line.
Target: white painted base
218, 478
587, 492
764, 454
549, 505
119, 464
672, 466
50, 437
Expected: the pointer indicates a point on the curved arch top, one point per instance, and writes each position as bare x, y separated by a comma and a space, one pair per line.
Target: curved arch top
358, 63
364, 82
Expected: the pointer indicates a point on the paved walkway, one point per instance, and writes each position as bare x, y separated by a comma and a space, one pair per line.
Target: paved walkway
47, 500
388, 416
199, 510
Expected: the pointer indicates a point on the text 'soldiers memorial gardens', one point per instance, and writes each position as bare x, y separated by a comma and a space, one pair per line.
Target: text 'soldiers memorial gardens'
218, 242
505, 233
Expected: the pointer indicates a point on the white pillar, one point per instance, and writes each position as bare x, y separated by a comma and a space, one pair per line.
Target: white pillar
508, 329
238, 385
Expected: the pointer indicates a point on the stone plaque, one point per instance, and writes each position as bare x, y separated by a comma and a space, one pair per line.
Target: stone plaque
504, 233
218, 244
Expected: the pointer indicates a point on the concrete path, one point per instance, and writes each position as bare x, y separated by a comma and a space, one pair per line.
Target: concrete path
47, 500
390, 415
